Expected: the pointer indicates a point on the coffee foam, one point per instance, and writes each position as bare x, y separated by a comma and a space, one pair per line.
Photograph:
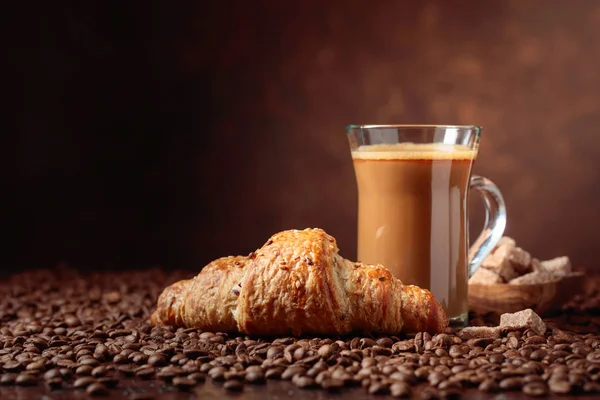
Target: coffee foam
414, 151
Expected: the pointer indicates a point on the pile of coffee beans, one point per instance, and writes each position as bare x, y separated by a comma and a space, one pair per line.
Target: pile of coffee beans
91, 333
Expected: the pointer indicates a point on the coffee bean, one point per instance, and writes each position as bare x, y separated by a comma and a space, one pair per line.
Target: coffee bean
217, 374
303, 382
512, 383
108, 381
83, 382
125, 370
145, 372
12, 366
559, 386
24, 379
183, 384
194, 353
535, 389
233, 386
98, 371
8, 378
169, 373
255, 377
157, 360
54, 383
275, 351
36, 366
96, 389
52, 374
84, 370
593, 357
197, 377
429, 393
291, 371
488, 385
120, 359
591, 387
332, 384
273, 373
384, 342
88, 361
400, 389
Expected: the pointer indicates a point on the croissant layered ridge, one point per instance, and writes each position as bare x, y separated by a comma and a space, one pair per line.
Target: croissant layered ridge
298, 283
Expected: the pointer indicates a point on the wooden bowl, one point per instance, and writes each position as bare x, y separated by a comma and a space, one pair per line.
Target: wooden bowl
541, 298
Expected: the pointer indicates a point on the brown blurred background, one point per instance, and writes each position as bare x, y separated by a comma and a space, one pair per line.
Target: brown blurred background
157, 133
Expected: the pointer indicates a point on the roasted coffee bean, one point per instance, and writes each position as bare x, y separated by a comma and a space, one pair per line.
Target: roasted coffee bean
325, 351
435, 378
365, 343
429, 393
12, 366
536, 389
145, 372
125, 370
8, 378
385, 342
400, 389
198, 377
303, 382
291, 371
254, 376
273, 373
559, 386
591, 387
157, 360
512, 383
25, 379
378, 388
275, 351
217, 373
233, 386
99, 371
488, 385
96, 389
84, 370
168, 373
52, 374
120, 359
36, 366
108, 381
183, 384
54, 383
83, 382
332, 384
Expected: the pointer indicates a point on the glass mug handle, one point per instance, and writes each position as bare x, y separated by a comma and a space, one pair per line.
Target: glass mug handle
495, 221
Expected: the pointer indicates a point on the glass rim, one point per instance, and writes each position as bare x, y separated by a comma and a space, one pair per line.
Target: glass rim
415, 126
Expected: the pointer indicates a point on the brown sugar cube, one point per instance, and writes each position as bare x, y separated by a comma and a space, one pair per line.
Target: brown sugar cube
534, 278
526, 319
477, 332
499, 263
536, 265
559, 265
483, 276
520, 260
505, 240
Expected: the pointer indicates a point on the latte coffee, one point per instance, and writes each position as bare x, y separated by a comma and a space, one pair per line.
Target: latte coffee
412, 217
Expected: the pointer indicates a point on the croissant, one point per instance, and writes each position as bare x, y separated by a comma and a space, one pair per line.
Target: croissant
298, 283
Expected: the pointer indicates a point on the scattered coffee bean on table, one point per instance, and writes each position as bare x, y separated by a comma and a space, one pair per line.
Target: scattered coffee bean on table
62, 330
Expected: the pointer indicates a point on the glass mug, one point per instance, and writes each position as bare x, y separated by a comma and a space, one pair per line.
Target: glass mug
413, 191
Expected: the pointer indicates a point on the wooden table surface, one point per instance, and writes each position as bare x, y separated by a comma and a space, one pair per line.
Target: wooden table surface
272, 390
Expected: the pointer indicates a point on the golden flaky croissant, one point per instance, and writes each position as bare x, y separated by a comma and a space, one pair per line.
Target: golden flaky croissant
298, 283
